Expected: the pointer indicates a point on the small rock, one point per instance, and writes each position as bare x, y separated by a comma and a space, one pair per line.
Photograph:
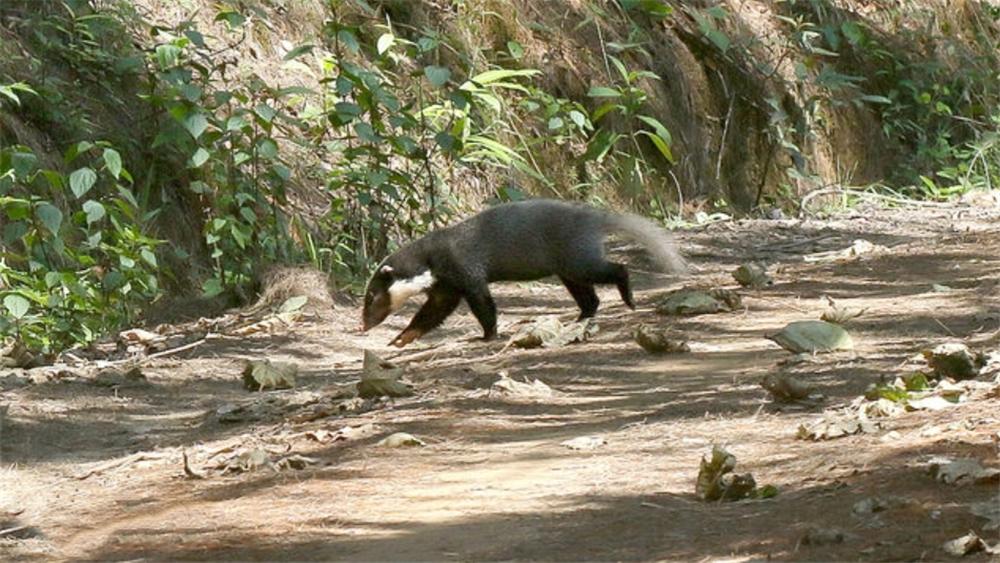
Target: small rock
954, 360
660, 341
400, 440
752, 275
823, 536
960, 547
584, 443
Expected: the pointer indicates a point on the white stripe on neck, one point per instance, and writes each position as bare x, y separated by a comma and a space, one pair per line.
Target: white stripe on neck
401, 290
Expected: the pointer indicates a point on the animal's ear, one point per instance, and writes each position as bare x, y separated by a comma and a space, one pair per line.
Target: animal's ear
385, 269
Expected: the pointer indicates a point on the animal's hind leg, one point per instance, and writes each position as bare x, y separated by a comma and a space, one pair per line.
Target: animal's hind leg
613, 272
483, 307
585, 297
441, 302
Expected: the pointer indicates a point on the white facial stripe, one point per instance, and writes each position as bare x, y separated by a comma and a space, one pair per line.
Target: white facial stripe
401, 290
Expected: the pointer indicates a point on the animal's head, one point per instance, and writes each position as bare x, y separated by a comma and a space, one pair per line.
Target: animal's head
387, 291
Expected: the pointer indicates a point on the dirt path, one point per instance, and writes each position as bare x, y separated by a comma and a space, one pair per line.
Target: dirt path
494, 481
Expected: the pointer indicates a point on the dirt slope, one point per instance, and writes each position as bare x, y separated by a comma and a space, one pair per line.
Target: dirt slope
493, 481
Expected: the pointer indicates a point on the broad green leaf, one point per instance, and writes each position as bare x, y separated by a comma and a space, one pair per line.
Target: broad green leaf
94, 210
199, 157
148, 257
231, 17
366, 132
515, 49
349, 40
23, 163
265, 112
579, 119
167, 56
81, 180
445, 140
556, 122
437, 75
196, 123
16, 305
14, 231
603, 92
50, 216
113, 160
267, 148
385, 42
235, 123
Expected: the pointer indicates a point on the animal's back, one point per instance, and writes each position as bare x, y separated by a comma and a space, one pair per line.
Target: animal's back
532, 239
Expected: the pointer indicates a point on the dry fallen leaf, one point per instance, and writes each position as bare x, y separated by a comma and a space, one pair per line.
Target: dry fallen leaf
812, 336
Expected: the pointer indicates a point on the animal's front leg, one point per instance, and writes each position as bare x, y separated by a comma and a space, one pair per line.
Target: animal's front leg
441, 302
485, 310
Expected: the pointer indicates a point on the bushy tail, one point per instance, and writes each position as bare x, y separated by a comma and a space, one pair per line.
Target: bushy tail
656, 240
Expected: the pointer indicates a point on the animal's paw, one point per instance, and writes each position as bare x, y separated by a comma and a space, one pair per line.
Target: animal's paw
405, 338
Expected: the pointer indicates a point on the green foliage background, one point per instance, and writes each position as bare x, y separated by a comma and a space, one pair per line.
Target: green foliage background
135, 161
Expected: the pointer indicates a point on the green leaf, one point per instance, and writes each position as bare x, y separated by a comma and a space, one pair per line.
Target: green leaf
556, 122
94, 210
719, 39
50, 216
445, 140
196, 123
604, 109
231, 17
366, 132
437, 75
385, 42
299, 51
235, 123
349, 40
16, 305
81, 180
661, 145
14, 231
873, 99
603, 92
265, 112
657, 127
199, 157
248, 215
23, 163
599, 146
491, 76
167, 56
148, 257
268, 149
515, 49
579, 119
113, 160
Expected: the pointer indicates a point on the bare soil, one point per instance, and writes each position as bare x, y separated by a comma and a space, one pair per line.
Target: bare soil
97, 472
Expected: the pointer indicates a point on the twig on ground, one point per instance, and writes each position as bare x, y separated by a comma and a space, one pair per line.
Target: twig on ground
118, 463
187, 469
868, 195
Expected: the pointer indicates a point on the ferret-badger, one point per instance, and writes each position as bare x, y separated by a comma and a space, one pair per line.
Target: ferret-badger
520, 241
